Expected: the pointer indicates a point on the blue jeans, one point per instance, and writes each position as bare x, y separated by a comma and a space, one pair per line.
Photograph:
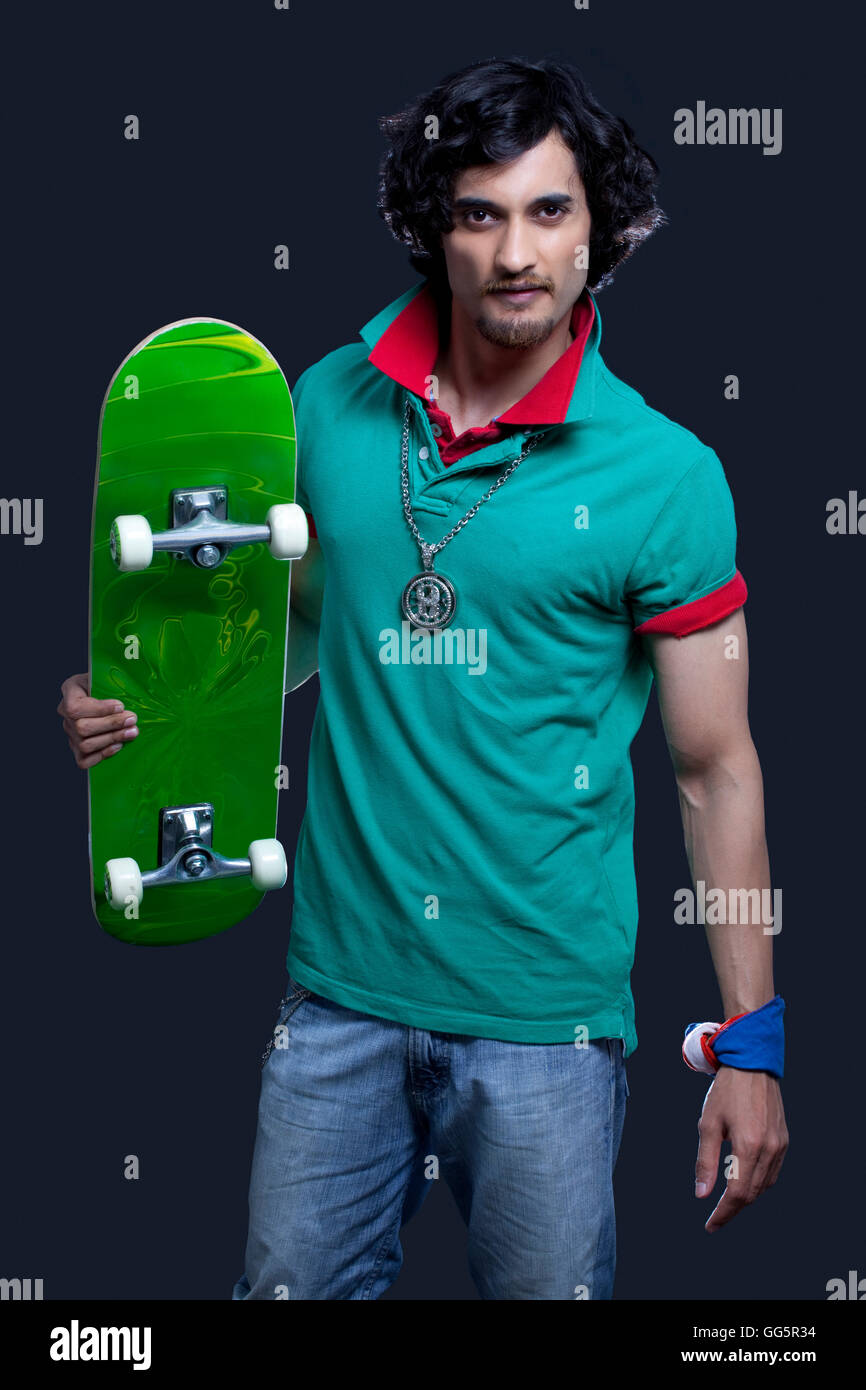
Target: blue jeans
358, 1115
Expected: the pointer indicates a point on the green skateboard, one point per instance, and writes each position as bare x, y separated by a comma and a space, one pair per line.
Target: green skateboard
193, 523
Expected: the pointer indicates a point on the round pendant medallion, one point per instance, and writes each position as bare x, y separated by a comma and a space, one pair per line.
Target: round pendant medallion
429, 600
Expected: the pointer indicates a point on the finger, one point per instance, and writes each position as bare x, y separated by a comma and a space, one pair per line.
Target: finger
740, 1191
76, 698
97, 742
114, 723
84, 706
778, 1159
707, 1163
729, 1204
732, 1201
74, 687
70, 727
94, 758
80, 680
760, 1176
84, 748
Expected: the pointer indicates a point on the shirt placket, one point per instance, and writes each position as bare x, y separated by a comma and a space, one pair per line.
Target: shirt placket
435, 488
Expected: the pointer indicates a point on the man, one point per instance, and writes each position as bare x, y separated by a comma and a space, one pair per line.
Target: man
509, 545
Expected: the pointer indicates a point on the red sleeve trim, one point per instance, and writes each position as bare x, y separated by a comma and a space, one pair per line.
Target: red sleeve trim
701, 611
312, 525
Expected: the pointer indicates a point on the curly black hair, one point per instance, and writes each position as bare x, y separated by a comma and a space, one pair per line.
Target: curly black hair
491, 112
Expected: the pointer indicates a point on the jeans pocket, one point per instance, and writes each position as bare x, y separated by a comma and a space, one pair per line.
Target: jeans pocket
296, 996
616, 1049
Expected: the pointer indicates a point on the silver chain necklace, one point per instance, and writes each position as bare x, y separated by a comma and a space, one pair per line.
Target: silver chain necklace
430, 600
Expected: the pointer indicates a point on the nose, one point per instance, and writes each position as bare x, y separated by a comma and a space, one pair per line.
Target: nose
516, 249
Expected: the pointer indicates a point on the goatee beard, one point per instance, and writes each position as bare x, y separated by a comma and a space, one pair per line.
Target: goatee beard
515, 333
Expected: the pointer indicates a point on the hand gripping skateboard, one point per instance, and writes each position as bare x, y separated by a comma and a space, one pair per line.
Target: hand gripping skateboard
194, 524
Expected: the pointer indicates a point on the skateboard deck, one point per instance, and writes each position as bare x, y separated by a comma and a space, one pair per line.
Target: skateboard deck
194, 529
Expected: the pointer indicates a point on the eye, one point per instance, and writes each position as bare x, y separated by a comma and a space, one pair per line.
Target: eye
476, 213
553, 208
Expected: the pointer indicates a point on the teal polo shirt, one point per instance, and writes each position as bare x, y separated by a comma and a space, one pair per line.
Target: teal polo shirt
465, 861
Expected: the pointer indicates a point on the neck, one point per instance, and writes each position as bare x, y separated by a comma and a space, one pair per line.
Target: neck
479, 380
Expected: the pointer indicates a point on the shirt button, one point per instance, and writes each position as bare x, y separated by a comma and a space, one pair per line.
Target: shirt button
437, 430
423, 452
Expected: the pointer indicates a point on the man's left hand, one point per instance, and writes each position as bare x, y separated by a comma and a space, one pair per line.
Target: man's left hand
746, 1108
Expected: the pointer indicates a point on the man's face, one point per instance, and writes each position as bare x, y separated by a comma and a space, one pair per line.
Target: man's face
517, 232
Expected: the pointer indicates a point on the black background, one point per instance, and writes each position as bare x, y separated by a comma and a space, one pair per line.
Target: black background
258, 127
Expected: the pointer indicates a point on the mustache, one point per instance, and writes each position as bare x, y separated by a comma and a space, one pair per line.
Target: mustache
495, 286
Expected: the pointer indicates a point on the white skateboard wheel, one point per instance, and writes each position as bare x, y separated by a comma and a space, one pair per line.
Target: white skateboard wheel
268, 867
122, 878
131, 543
290, 534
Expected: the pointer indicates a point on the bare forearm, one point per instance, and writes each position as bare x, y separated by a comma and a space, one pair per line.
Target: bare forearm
703, 697
722, 808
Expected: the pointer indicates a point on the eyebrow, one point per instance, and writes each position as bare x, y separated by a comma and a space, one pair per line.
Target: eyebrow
559, 199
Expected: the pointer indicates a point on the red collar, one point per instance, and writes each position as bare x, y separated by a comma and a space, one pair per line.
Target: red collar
407, 352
